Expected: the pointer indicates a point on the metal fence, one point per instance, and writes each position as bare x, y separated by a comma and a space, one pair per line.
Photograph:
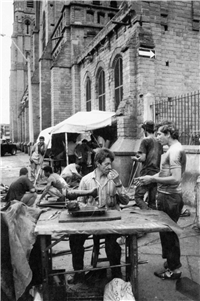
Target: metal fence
184, 111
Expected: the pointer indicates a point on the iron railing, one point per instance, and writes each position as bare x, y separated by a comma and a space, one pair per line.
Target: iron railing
184, 111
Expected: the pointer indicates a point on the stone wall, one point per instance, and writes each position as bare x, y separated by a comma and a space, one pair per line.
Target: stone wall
191, 174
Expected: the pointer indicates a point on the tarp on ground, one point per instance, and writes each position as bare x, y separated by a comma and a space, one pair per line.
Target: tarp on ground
84, 121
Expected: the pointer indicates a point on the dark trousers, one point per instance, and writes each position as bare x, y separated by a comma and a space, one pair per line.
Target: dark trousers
112, 248
171, 204
139, 196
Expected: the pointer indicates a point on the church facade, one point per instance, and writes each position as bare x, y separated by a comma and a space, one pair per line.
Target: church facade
119, 56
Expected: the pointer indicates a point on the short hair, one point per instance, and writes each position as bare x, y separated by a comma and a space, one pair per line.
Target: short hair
23, 171
148, 126
84, 141
41, 137
48, 169
166, 127
102, 154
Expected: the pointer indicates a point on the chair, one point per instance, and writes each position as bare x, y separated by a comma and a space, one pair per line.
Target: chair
97, 242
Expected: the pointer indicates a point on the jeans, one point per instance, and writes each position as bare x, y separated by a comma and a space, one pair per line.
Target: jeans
171, 204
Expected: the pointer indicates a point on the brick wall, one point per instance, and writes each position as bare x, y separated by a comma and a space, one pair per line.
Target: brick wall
60, 94
168, 27
45, 93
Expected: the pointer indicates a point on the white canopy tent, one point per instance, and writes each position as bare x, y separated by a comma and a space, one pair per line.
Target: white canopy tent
82, 122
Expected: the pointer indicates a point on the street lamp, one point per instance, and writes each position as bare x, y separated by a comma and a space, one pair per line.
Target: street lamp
28, 60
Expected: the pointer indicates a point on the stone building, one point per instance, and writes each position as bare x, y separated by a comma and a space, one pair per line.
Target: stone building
102, 55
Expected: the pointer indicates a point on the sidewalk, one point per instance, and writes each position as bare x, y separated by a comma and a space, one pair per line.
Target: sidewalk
153, 288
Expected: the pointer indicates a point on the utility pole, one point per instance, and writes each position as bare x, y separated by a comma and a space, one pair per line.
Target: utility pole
30, 103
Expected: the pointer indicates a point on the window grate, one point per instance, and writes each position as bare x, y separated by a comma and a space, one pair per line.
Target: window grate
30, 4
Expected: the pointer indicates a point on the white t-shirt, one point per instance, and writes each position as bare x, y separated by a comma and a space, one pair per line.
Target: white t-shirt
69, 170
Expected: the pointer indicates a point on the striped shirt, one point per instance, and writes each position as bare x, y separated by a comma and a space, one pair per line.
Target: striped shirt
108, 194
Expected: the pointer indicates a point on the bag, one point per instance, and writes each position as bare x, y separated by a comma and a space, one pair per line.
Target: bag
118, 290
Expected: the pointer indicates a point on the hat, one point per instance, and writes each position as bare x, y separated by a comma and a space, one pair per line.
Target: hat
148, 126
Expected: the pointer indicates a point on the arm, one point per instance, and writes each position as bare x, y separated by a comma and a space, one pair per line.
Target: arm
74, 171
174, 178
139, 157
45, 191
30, 187
120, 190
82, 187
33, 149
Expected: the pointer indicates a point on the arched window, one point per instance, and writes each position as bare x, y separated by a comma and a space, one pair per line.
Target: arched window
118, 77
96, 2
29, 3
88, 94
27, 23
101, 89
44, 31
113, 4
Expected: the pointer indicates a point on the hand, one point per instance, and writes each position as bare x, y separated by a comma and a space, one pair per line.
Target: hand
113, 175
135, 158
143, 180
137, 182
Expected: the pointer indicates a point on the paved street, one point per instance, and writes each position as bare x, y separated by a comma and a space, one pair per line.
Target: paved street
10, 166
150, 287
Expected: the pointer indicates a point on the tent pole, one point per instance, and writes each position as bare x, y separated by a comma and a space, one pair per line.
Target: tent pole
66, 149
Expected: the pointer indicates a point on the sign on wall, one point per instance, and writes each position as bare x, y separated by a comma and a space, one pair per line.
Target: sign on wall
145, 52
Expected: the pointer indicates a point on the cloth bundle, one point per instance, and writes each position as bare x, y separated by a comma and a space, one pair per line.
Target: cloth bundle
118, 290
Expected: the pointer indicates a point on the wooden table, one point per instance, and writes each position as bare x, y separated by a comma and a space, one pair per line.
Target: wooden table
131, 222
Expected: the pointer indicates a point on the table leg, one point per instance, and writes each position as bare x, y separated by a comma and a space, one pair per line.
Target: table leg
134, 265
46, 265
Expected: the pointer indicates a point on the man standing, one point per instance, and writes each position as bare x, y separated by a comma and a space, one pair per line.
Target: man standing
149, 155
169, 196
37, 156
22, 189
82, 151
110, 193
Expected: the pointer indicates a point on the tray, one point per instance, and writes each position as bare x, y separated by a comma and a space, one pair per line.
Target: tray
109, 215
53, 205
88, 211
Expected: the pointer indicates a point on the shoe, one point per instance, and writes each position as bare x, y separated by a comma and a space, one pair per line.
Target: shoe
77, 278
168, 274
185, 213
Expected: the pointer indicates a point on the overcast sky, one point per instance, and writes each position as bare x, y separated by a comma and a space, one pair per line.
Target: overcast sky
6, 27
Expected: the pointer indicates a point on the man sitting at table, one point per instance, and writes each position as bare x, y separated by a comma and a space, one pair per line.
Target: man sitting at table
57, 187
110, 194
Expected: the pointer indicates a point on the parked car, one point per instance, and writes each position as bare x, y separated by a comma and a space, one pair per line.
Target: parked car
8, 147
